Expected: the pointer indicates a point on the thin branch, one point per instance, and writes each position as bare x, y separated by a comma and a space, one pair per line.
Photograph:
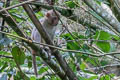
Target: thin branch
17, 5
6, 56
64, 50
93, 40
106, 66
68, 71
112, 53
12, 23
89, 40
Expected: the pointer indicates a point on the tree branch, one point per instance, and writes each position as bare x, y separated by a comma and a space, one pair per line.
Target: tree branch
64, 50
68, 13
17, 5
47, 39
11, 22
6, 56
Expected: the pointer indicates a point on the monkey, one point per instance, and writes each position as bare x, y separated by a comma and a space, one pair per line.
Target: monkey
49, 22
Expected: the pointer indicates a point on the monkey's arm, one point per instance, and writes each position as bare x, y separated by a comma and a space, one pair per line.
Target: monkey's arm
32, 34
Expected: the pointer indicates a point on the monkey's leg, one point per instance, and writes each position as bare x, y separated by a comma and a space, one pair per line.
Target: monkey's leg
34, 62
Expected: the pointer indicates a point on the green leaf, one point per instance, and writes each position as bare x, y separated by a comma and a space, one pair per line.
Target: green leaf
17, 17
82, 66
102, 35
18, 55
17, 14
42, 69
93, 61
82, 78
72, 46
4, 53
40, 14
71, 64
29, 64
86, 47
104, 46
116, 37
93, 78
21, 76
32, 78
43, 78
70, 4
103, 62
67, 36
112, 75
98, 1
3, 67
105, 77
29, 59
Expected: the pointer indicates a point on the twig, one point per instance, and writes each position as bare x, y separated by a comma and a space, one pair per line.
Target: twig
65, 67
88, 40
65, 50
25, 2
106, 66
41, 53
6, 56
66, 28
112, 53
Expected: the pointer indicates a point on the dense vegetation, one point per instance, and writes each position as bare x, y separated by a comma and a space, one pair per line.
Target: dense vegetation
86, 43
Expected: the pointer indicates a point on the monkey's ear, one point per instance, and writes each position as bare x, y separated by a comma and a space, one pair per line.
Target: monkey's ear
47, 14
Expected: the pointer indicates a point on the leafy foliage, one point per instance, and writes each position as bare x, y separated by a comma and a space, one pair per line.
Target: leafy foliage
70, 4
84, 51
104, 46
18, 55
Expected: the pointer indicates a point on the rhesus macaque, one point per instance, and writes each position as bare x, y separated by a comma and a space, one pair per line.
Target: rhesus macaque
49, 22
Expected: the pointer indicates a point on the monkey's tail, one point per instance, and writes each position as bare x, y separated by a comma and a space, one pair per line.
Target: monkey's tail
34, 64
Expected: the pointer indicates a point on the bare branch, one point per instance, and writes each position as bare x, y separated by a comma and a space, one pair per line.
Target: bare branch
17, 5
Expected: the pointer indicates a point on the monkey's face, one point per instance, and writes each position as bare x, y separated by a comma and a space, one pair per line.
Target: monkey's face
52, 18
